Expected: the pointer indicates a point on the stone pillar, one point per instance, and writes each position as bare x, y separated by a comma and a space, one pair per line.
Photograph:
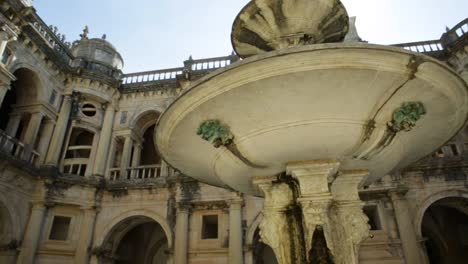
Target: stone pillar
136, 158
55, 148
44, 141
104, 142
4, 38
32, 234
126, 152
315, 197
235, 232
3, 90
86, 234
110, 160
32, 130
274, 228
350, 223
181, 234
411, 247
13, 124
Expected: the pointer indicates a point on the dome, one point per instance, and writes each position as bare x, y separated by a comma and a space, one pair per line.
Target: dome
97, 50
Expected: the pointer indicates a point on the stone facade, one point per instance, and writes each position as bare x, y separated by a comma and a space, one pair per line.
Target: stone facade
81, 181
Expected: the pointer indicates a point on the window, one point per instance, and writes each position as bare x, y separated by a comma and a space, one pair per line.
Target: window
60, 226
123, 117
53, 96
454, 150
210, 227
89, 110
372, 213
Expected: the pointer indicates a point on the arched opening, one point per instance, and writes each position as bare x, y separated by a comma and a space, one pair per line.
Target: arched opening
445, 226
22, 91
8, 243
149, 155
78, 151
262, 253
137, 239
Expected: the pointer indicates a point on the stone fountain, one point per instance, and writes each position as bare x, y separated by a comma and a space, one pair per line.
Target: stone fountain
305, 120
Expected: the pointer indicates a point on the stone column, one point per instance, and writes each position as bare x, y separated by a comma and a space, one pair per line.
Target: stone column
104, 142
11, 130
4, 38
110, 160
55, 148
181, 234
136, 158
125, 162
274, 227
411, 247
13, 124
44, 141
3, 90
235, 232
32, 130
86, 235
350, 223
315, 197
32, 234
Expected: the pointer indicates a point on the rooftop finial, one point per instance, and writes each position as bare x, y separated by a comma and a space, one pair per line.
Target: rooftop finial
85, 33
104, 36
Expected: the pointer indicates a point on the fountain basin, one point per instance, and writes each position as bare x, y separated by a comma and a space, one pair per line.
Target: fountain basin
324, 101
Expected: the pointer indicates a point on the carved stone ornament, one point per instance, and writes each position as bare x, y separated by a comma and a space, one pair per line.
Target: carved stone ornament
405, 117
216, 133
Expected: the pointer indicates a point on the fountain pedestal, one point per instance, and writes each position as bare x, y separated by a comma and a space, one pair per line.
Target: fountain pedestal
328, 203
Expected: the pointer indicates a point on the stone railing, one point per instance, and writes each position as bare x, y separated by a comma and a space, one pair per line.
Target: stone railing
461, 28
52, 38
76, 166
190, 65
431, 46
140, 172
210, 63
151, 76
18, 150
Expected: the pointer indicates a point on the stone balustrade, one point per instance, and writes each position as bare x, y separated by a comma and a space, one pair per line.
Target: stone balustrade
76, 166
140, 172
18, 150
190, 65
422, 46
151, 76
461, 28
210, 63
52, 38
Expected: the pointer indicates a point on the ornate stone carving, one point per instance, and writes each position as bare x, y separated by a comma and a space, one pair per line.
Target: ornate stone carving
351, 228
405, 117
216, 133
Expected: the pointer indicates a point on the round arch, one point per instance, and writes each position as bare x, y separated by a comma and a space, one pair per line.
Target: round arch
111, 226
250, 234
14, 219
431, 200
145, 118
41, 88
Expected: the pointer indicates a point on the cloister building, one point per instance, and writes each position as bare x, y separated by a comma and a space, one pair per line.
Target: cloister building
81, 180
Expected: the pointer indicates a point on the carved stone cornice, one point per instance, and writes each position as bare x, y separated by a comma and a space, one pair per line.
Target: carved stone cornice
209, 205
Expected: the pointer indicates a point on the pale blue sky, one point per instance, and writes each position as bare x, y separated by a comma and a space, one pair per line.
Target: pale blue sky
156, 34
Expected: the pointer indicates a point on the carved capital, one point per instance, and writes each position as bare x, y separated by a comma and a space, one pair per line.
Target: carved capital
313, 176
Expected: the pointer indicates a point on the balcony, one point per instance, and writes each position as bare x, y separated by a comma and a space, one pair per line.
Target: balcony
17, 150
140, 173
